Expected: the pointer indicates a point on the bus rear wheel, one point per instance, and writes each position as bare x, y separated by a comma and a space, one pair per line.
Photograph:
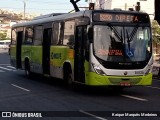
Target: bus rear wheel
27, 69
68, 78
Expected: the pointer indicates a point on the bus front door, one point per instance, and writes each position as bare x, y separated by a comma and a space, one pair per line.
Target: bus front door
46, 50
79, 56
18, 49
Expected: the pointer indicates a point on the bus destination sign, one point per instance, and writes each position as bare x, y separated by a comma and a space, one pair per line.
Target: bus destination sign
117, 17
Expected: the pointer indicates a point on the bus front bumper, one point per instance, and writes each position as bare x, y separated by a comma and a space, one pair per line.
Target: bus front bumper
94, 79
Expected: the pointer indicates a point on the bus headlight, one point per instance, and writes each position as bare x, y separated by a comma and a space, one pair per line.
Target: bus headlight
98, 70
148, 71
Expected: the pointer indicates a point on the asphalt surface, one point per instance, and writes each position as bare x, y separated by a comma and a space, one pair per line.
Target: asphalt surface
20, 96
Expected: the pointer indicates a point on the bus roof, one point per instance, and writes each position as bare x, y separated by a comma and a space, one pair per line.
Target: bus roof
47, 15
50, 19
61, 17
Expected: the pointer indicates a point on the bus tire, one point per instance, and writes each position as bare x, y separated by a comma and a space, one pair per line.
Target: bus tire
68, 78
27, 69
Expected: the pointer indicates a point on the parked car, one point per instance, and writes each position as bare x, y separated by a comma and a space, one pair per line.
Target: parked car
4, 44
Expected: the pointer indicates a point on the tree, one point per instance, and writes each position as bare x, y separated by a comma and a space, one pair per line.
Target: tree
156, 36
3, 36
156, 32
157, 10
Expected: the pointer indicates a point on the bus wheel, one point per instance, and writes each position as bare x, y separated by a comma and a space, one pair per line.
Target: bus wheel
68, 78
27, 69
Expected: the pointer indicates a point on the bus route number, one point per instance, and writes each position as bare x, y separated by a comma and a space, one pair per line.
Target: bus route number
118, 18
105, 17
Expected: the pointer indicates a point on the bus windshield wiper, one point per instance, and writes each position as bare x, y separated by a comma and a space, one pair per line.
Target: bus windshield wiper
119, 37
130, 38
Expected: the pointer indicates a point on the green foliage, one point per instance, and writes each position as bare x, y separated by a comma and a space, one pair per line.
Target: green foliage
3, 36
155, 32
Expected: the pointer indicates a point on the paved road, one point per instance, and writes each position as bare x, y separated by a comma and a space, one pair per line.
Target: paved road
17, 93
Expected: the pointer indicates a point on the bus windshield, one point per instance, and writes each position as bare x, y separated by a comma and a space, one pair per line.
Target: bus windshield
122, 44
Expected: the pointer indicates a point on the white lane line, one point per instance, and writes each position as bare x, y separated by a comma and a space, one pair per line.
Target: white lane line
1, 71
5, 64
11, 67
153, 87
132, 97
92, 115
5, 68
20, 87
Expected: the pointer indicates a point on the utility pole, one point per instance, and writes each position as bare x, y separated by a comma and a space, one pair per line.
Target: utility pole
125, 6
24, 9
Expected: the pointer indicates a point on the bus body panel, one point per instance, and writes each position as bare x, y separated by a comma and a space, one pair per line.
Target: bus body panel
34, 55
25, 53
13, 55
58, 56
36, 59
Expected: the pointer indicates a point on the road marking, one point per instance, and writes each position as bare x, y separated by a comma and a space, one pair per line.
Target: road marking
1, 71
5, 68
11, 67
92, 115
5, 64
20, 87
153, 87
132, 97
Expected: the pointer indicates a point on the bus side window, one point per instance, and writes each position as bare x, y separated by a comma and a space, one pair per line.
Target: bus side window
38, 32
56, 33
61, 35
69, 33
28, 35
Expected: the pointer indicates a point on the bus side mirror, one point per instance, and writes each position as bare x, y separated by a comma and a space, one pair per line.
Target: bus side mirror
90, 34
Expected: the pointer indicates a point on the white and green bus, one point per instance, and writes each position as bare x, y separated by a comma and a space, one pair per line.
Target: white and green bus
92, 47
